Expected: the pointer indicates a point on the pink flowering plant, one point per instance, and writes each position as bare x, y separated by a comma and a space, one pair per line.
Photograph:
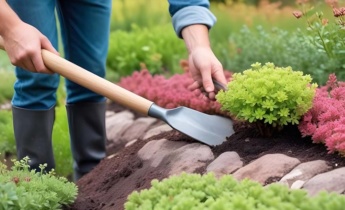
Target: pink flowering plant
170, 92
325, 122
268, 96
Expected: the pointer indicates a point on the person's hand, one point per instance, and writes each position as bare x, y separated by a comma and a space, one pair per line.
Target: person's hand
23, 44
203, 67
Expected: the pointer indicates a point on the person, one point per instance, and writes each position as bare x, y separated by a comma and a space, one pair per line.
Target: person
29, 26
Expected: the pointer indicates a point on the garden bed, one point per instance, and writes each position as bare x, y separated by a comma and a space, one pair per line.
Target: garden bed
109, 184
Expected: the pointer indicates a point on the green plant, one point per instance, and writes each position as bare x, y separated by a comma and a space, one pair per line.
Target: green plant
157, 49
327, 36
269, 96
325, 33
275, 45
26, 190
205, 192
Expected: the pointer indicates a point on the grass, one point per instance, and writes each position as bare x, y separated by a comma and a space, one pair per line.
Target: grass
61, 144
7, 143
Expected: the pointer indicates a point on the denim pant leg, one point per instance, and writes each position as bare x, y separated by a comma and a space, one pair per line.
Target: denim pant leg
33, 90
85, 31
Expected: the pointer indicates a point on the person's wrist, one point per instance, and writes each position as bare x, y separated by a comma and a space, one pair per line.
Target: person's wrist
7, 30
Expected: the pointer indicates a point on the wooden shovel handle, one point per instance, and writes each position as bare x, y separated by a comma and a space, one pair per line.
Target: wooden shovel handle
93, 82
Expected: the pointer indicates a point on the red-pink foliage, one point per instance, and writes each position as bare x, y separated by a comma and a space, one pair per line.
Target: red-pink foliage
170, 93
325, 121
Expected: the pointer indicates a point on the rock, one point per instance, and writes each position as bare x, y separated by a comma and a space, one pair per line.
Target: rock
157, 130
137, 128
109, 114
131, 142
179, 156
226, 163
268, 166
297, 184
155, 150
188, 158
117, 124
331, 181
304, 171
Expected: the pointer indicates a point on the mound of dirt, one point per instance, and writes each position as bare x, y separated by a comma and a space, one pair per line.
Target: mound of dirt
109, 184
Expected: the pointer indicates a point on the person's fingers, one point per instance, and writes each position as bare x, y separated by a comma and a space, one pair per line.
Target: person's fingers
206, 78
212, 96
28, 65
218, 74
46, 44
195, 85
38, 64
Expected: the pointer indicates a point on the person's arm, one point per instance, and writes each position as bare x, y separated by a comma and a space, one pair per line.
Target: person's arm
203, 64
192, 21
8, 17
23, 42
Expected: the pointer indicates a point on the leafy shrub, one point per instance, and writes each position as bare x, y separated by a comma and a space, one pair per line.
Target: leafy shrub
268, 95
157, 48
169, 93
278, 46
205, 192
27, 190
325, 121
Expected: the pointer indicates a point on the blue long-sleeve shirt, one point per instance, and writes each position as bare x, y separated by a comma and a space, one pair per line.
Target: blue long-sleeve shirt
189, 12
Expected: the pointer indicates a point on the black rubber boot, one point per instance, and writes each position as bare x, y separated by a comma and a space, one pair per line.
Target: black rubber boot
87, 133
33, 134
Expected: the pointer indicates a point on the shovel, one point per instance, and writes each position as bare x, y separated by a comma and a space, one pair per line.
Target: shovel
211, 130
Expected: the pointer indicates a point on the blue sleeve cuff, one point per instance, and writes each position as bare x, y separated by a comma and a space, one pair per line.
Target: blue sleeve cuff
192, 15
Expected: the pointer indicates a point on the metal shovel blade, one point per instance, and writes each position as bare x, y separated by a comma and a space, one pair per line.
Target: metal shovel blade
208, 129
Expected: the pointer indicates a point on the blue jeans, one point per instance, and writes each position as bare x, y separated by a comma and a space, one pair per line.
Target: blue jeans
85, 26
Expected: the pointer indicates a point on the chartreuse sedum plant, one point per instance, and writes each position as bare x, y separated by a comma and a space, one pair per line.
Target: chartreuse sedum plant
205, 192
24, 189
268, 96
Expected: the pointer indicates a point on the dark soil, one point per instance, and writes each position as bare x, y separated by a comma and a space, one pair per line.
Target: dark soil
109, 184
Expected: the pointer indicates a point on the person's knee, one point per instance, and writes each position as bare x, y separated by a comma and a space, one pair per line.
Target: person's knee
35, 91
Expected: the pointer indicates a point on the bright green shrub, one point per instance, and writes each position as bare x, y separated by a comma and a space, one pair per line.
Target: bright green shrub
205, 192
27, 190
268, 95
